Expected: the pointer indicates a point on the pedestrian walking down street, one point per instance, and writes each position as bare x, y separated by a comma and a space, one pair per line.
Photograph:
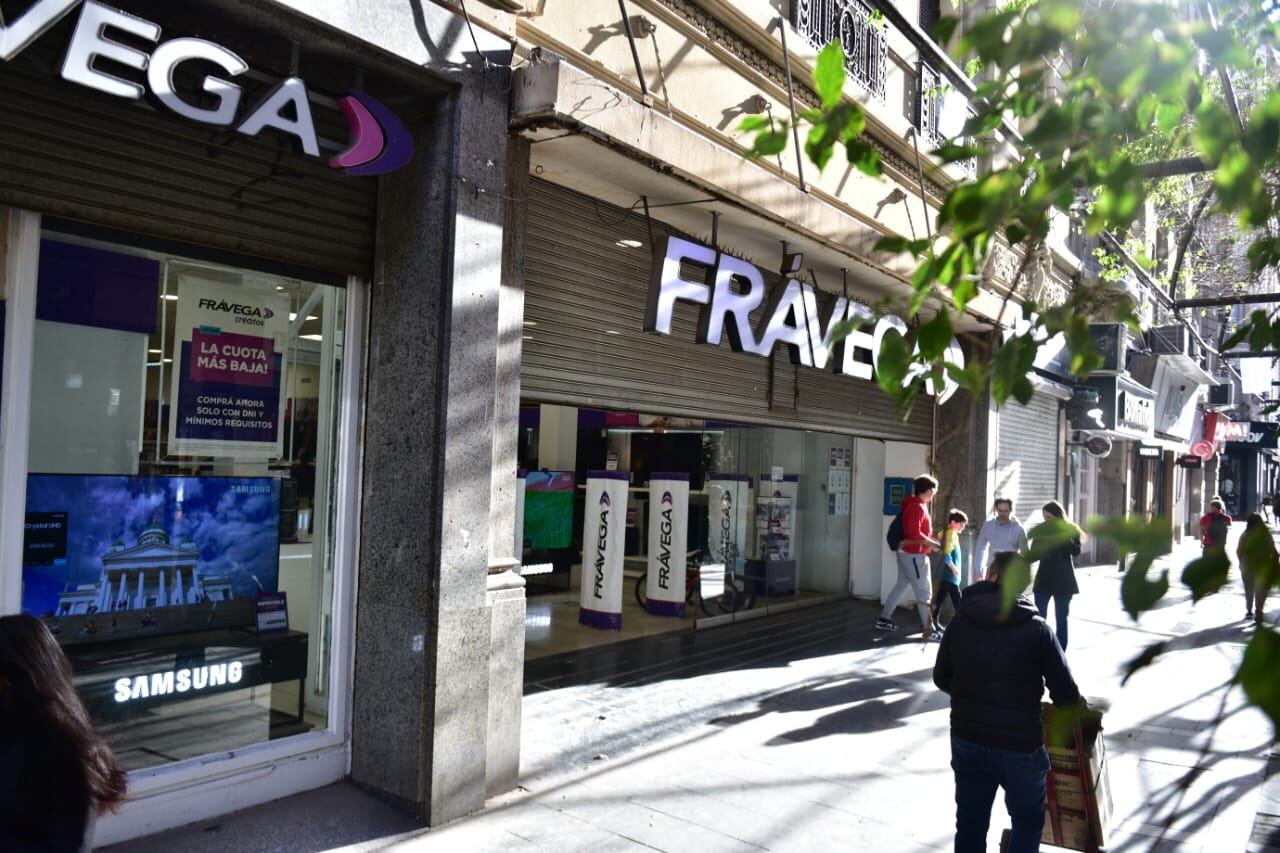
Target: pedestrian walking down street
913, 557
1056, 576
949, 583
1002, 532
995, 662
56, 773
1213, 527
1259, 565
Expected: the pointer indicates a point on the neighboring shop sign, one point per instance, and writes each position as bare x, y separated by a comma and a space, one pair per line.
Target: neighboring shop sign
1124, 409
1148, 452
727, 518
379, 141
1190, 461
1098, 446
1259, 435
791, 317
668, 543
603, 538
228, 358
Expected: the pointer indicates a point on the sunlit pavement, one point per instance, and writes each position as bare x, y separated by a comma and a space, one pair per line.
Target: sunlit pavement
815, 732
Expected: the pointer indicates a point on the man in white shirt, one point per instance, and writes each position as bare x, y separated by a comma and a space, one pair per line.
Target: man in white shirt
1002, 533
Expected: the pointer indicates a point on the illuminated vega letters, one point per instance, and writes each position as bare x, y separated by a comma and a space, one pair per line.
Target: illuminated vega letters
792, 316
379, 140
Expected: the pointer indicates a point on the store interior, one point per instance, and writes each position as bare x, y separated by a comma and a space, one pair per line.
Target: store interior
788, 548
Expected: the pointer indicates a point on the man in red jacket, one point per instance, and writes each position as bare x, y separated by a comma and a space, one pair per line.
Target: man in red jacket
913, 557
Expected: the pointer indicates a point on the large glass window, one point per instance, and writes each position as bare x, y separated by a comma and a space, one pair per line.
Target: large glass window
180, 511
767, 517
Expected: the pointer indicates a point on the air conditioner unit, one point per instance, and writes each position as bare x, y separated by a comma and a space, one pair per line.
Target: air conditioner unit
1171, 340
1112, 342
1224, 396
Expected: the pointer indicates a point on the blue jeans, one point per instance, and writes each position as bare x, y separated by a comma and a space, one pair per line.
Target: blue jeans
979, 770
1061, 609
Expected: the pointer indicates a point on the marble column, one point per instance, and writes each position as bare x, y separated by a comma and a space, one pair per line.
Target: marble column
139, 602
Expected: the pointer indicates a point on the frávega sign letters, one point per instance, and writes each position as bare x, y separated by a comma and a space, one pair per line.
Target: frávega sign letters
379, 140
791, 317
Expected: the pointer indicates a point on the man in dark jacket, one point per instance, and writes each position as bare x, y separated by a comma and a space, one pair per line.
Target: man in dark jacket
995, 662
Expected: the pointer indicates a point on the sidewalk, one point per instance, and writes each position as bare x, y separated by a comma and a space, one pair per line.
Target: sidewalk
813, 732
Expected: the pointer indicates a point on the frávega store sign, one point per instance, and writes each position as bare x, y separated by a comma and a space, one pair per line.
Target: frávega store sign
791, 318
379, 141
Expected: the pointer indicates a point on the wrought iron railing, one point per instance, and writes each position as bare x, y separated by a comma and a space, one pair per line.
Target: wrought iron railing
933, 89
861, 33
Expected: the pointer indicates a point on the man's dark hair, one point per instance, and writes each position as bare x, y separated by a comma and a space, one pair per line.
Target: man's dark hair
1007, 569
922, 484
1009, 501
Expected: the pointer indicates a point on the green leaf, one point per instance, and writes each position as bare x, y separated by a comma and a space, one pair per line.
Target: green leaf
949, 152
944, 28
1236, 337
894, 363
750, 124
1168, 115
1144, 660
935, 336
1143, 540
1208, 574
769, 142
828, 74
900, 245
864, 158
1259, 330
1257, 674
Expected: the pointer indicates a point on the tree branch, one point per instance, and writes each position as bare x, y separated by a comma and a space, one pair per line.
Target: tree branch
1185, 240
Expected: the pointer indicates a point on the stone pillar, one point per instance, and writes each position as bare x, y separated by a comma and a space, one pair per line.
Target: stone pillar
139, 600
122, 595
177, 586
505, 595
162, 600
420, 709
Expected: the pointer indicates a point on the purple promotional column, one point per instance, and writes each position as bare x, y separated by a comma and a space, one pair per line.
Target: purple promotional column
602, 549
668, 540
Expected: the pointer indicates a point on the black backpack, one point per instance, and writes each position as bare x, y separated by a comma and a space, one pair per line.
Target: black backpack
894, 537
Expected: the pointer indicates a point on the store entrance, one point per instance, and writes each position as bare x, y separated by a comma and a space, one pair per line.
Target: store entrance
763, 524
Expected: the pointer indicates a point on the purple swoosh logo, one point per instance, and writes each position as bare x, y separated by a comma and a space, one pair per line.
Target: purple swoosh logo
666, 497
380, 142
604, 499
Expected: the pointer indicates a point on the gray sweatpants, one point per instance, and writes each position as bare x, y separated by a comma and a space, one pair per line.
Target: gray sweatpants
913, 574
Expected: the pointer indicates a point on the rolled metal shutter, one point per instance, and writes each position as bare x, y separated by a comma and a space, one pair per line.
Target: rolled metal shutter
585, 345
1028, 454
79, 154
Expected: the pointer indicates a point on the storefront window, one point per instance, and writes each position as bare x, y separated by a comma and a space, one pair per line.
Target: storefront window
766, 520
179, 501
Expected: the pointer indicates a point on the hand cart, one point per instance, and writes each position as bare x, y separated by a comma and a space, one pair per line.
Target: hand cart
1078, 803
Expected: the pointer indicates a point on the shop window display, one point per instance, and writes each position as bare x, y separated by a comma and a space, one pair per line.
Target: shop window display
765, 519
179, 508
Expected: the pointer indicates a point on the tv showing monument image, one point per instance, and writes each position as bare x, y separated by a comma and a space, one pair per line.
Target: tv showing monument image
122, 554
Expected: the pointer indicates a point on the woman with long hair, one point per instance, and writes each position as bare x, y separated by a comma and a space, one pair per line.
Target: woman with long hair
1056, 576
1259, 565
56, 772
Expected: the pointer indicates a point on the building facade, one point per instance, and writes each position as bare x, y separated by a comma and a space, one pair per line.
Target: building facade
251, 264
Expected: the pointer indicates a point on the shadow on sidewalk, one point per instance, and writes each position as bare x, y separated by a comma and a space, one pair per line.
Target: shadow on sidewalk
775, 641
867, 703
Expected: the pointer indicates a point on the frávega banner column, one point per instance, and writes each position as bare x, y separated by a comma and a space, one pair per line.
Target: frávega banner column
602, 547
668, 541
727, 519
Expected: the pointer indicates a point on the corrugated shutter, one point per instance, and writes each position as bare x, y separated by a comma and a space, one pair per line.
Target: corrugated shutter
585, 345
1028, 453
79, 154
